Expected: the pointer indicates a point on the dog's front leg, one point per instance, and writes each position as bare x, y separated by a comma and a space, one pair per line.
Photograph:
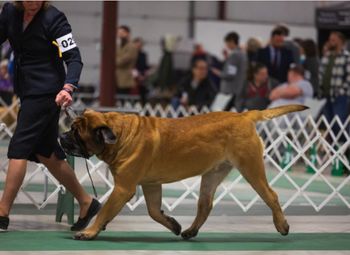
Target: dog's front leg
119, 197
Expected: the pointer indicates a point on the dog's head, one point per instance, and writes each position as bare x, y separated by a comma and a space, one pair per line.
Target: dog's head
88, 135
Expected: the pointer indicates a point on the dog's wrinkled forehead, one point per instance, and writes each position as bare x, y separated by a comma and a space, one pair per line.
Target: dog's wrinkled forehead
79, 123
89, 119
93, 119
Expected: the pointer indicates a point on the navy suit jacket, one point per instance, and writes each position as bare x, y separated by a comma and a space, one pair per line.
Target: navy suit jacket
279, 73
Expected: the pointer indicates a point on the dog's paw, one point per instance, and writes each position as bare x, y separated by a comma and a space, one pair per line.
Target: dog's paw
85, 235
176, 227
284, 228
189, 233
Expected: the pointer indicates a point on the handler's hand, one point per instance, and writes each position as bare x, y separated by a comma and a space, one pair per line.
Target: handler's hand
64, 99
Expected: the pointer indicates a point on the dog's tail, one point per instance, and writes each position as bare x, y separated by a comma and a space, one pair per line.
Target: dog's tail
268, 114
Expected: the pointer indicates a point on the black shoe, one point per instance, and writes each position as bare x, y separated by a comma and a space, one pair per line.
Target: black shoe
83, 222
4, 223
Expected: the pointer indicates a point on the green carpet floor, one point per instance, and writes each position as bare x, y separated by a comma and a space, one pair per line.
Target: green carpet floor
109, 240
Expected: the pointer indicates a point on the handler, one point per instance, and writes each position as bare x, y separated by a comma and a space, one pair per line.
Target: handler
42, 40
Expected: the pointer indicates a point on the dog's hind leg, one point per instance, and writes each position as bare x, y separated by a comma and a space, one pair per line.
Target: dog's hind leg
253, 170
153, 197
210, 181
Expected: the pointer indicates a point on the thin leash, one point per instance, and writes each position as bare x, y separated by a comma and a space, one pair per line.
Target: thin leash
72, 115
92, 183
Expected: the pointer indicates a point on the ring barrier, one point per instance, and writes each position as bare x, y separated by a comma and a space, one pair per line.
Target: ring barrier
303, 157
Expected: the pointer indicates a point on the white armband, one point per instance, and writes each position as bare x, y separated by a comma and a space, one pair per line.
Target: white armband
66, 42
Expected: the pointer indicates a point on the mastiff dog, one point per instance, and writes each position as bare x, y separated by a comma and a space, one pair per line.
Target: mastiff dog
150, 151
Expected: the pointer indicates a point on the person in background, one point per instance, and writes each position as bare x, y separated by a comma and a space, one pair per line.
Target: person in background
310, 62
200, 53
290, 44
252, 48
141, 68
234, 72
325, 49
6, 86
142, 58
125, 61
335, 78
295, 91
258, 88
276, 57
196, 89
6, 50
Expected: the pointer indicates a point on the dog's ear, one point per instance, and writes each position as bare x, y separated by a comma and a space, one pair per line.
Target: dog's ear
106, 135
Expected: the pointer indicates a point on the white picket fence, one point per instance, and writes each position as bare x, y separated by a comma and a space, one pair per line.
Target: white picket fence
299, 133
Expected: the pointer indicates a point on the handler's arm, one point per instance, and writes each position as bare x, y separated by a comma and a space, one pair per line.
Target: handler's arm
61, 31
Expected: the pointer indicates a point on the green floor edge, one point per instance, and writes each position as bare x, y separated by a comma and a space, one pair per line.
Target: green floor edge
111, 240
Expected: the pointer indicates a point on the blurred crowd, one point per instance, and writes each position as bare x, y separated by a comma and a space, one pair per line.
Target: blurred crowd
254, 75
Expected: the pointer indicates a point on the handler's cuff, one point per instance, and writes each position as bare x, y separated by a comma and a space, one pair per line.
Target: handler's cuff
72, 86
70, 92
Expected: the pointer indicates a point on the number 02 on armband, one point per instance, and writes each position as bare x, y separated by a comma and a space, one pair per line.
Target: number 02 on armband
66, 42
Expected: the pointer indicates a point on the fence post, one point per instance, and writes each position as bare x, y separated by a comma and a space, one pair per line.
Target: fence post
313, 160
287, 157
65, 201
337, 166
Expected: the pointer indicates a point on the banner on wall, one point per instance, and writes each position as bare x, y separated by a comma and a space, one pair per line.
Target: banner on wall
334, 17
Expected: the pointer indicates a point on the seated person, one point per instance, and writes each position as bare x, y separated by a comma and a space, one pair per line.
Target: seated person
196, 88
295, 91
6, 87
258, 88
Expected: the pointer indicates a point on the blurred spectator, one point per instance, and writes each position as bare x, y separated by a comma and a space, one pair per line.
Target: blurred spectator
253, 45
125, 61
335, 78
310, 61
258, 88
276, 57
234, 72
6, 50
290, 44
7, 53
142, 58
295, 91
196, 89
200, 53
325, 48
11, 66
141, 68
298, 42
6, 86
163, 78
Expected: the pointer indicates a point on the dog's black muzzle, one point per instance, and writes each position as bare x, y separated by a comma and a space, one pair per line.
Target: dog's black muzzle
72, 144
